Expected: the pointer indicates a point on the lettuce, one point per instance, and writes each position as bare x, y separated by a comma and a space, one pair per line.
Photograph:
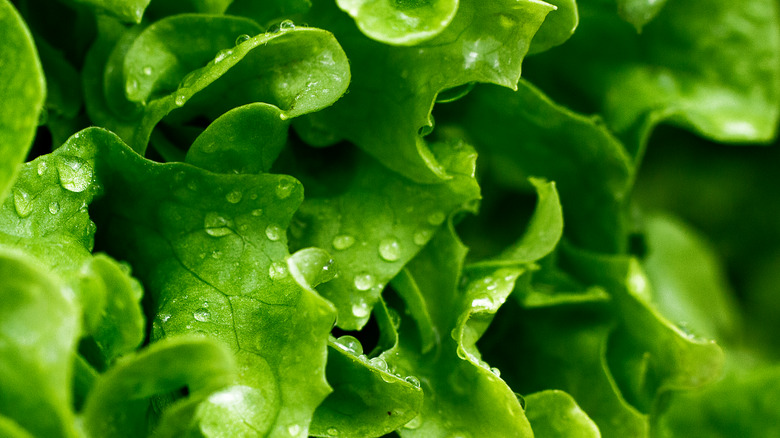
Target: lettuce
354, 218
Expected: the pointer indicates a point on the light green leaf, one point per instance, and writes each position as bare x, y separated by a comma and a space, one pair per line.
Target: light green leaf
486, 42
554, 413
377, 223
403, 23
23, 90
126, 10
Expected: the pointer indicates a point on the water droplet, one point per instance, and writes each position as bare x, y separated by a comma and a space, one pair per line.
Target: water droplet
242, 38
421, 237
147, 70
520, 399
54, 207
221, 55
22, 202
294, 430
414, 381
364, 281
180, 99
350, 344
414, 423
395, 318
277, 270
75, 174
257, 212
202, 315
390, 249
286, 25
284, 189
495, 371
333, 432
360, 310
216, 254
378, 363
234, 197
216, 225
164, 317
273, 232
190, 79
343, 241
131, 87
41, 168
436, 218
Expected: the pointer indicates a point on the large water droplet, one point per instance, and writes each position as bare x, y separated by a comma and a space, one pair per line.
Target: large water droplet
281, 27
273, 232
180, 99
364, 281
390, 249
234, 197
217, 225
495, 371
284, 189
202, 315
278, 270
350, 344
54, 207
41, 168
520, 399
242, 38
343, 241
414, 381
22, 202
75, 174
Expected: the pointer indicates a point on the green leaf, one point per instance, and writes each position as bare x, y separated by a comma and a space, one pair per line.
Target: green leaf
131, 11
463, 394
404, 22
525, 134
119, 402
39, 327
557, 28
211, 250
554, 413
374, 233
639, 12
712, 67
689, 285
390, 126
23, 90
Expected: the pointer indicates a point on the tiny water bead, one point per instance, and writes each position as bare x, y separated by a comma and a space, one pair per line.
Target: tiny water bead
283, 26
202, 315
41, 168
273, 232
22, 202
364, 281
436, 218
234, 197
421, 237
221, 55
147, 70
54, 207
294, 430
412, 380
390, 249
360, 310
257, 212
350, 344
278, 270
284, 189
242, 38
180, 99
343, 241
495, 371
378, 363
333, 432
216, 225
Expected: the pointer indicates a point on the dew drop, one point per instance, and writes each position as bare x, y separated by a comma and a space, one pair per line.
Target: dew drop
395, 318
294, 430
75, 174
286, 25
221, 55
333, 432
234, 197
147, 70
216, 254
350, 344
436, 218
364, 281
520, 399
495, 371
131, 87
422, 237
180, 99
390, 249
54, 207
216, 225
277, 270
242, 38
412, 380
202, 315
257, 212
360, 310
273, 232
378, 363
414, 423
164, 317
22, 202
343, 241
41, 168
284, 189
